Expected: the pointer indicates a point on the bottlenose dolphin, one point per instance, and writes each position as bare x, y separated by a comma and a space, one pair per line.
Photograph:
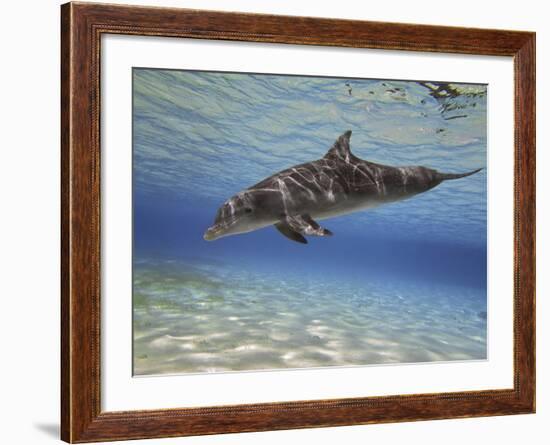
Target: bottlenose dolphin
339, 183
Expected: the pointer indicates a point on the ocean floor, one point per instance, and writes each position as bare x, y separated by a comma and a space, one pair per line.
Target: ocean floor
199, 316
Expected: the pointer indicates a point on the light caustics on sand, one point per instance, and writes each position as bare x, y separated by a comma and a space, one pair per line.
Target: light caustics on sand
204, 318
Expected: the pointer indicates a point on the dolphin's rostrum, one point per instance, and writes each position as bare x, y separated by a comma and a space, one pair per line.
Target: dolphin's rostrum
339, 183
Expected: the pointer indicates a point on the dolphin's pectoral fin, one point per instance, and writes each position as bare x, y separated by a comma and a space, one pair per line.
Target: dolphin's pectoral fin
312, 227
285, 229
294, 227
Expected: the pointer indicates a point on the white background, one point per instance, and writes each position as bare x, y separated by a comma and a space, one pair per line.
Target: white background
29, 243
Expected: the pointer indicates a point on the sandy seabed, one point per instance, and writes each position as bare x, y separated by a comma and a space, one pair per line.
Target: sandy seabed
200, 317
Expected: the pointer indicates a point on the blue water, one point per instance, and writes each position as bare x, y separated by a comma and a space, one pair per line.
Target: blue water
401, 283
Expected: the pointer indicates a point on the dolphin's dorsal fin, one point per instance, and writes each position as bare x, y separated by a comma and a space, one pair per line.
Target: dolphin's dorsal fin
340, 149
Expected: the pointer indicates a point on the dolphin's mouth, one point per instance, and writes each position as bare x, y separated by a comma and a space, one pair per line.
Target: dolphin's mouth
213, 233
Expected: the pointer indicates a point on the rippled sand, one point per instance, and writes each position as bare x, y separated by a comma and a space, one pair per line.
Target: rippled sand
201, 317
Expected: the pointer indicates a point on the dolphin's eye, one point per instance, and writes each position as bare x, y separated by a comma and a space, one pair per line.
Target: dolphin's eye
248, 210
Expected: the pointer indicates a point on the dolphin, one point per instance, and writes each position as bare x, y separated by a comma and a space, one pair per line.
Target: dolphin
293, 200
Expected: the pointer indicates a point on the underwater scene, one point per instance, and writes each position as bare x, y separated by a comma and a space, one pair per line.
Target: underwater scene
354, 256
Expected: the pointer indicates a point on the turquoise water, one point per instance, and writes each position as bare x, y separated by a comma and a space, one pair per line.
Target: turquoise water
403, 283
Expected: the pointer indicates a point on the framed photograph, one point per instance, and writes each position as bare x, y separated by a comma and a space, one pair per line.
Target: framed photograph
274, 222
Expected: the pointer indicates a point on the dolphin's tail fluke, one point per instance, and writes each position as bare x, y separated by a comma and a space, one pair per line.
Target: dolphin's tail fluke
445, 176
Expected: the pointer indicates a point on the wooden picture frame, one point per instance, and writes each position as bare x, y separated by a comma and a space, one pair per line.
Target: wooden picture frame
82, 25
